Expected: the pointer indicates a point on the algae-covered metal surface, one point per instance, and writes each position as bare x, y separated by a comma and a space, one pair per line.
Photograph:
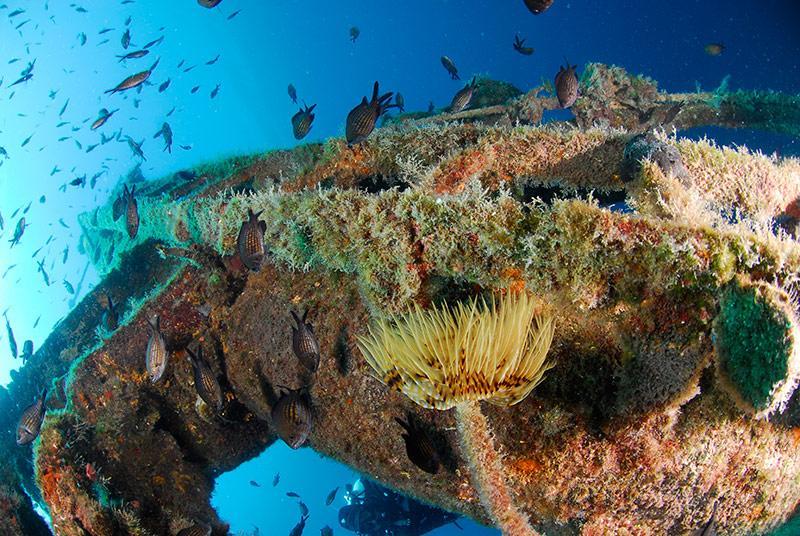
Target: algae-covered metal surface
653, 415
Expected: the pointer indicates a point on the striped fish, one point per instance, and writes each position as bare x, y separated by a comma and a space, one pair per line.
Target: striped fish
31, 420
198, 529
304, 342
462, 99
302, 121
205, 382
250, 242
131, 211
135, 80
567, 86
362, 119
538, 7
291, 417
419, 446
209, 3
156, 357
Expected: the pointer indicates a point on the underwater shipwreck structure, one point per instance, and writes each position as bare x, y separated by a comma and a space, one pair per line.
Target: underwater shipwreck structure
669, 268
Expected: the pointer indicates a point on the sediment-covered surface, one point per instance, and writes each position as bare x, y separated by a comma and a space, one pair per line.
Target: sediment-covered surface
651, 415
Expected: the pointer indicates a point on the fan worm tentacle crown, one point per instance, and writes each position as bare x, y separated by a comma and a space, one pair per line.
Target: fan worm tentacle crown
494, 351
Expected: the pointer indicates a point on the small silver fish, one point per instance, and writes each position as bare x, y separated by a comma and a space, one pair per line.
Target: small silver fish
134, 80
133, 55
331, 496
156, 357
31, 420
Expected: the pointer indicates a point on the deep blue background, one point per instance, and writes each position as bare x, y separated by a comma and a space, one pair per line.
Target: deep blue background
272, 43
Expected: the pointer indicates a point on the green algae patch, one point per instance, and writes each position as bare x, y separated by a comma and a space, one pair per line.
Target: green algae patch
755, 341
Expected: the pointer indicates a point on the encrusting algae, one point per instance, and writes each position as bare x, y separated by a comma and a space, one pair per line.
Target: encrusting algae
599, 303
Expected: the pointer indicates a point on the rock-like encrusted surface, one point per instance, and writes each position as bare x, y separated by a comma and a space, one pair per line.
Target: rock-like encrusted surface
638, 429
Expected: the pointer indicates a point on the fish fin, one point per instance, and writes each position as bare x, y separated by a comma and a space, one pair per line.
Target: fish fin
296, 318
406, 426
195, 358
263, 226
385, 98
364, 101
375, 92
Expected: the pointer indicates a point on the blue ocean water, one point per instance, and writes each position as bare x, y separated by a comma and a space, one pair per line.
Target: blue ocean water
251, 50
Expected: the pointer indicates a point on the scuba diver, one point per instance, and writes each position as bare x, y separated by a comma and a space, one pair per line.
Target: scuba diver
373, 510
